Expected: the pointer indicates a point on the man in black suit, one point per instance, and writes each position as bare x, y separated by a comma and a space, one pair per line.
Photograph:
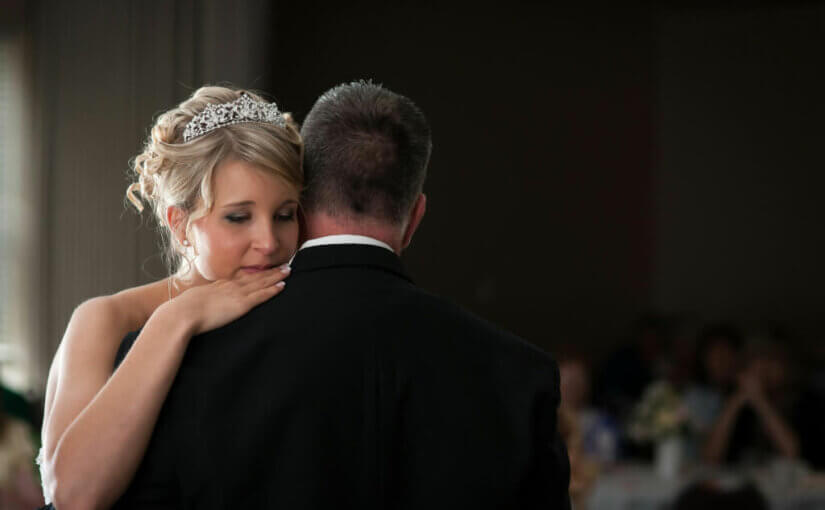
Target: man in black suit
354, 388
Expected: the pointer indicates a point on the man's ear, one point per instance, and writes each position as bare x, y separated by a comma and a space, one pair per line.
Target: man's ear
416, 216
176, 220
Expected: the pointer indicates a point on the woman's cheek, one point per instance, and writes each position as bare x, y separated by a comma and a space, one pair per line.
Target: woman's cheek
223, 254
291, 237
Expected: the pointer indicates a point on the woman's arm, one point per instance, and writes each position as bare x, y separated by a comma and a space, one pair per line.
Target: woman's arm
782, 435
100, 423
716, 445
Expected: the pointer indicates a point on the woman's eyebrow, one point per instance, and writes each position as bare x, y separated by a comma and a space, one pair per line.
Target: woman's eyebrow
235, 204
252, 202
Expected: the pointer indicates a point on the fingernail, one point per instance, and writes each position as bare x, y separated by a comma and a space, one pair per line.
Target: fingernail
285, 269
280, 284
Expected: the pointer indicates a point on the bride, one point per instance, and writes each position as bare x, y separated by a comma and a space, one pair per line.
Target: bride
223, 172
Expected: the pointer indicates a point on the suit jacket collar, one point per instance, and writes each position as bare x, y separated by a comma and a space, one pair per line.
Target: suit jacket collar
348, 255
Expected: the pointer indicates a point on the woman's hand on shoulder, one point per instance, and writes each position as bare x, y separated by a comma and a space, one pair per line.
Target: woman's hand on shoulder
218, 303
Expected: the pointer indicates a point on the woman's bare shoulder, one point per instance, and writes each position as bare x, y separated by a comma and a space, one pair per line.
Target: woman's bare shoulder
136, 304
92, 337
125, 311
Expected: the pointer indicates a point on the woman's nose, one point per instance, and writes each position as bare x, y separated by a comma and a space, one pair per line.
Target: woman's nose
265, 239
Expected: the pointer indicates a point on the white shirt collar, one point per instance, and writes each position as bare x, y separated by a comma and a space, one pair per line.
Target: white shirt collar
345, 239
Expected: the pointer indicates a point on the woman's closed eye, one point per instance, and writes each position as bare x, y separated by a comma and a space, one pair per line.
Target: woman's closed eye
240, 218
286, 216
236, 218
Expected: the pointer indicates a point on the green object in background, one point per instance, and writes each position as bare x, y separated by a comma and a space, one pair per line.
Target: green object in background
15, 405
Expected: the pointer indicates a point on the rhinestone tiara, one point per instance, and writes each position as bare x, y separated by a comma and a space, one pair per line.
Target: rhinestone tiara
243, 109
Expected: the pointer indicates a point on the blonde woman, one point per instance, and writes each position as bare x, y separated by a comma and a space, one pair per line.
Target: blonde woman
223, 173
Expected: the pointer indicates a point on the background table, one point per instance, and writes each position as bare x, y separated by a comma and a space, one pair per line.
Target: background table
786, 486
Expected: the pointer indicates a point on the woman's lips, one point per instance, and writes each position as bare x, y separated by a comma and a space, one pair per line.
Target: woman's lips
255, 269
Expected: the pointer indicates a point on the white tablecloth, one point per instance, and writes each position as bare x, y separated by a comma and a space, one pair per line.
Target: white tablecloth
637, 487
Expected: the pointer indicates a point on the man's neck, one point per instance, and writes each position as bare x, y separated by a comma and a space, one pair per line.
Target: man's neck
321, 225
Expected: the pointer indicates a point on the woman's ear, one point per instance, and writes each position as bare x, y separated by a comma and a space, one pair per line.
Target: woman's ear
176, 221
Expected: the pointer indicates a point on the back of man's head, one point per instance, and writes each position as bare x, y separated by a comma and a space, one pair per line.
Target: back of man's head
366, 154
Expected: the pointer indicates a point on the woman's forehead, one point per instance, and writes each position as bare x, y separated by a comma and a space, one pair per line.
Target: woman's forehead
240, 181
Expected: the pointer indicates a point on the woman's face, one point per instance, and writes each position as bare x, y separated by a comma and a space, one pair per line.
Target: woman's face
575, 384
721, 363
253, 224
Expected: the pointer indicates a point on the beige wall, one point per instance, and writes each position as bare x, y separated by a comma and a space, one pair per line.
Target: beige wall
101, 71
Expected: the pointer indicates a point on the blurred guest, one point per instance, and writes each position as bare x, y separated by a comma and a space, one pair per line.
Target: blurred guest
18, 487
590, 435
632, 367
752, 425
718, 360
682, 355
638, 361
596, 429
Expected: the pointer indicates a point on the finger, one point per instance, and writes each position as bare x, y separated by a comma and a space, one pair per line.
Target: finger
261, 295
263, 283
271, 277
252, 278
243, 277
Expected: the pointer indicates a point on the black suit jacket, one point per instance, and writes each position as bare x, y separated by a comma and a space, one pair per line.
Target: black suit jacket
356, 389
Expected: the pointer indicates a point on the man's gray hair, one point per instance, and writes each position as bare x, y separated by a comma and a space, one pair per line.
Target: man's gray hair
366, 153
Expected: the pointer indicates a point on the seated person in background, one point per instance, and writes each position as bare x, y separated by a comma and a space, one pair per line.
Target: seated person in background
638, 361
18, 487
718, 360
590, 435
752, 424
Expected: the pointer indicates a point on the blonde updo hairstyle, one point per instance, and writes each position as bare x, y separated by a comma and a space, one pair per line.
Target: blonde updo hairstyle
171, 172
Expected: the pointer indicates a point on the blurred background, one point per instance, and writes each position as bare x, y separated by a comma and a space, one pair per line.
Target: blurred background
636, 189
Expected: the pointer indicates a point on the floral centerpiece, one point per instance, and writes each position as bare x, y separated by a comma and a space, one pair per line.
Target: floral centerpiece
660, 414
660, 417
